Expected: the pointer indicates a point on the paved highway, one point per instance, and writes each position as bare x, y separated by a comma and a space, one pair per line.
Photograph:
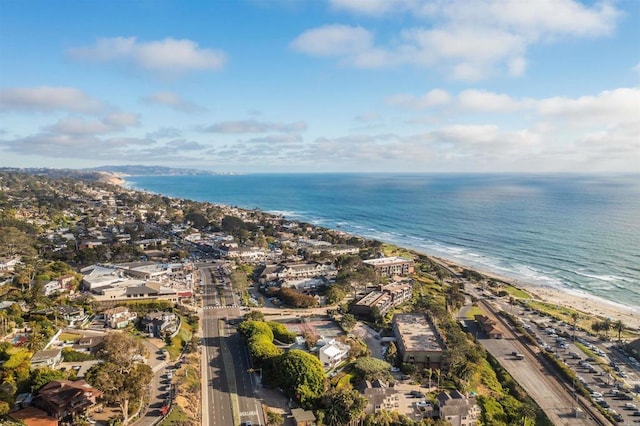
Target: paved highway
229, 389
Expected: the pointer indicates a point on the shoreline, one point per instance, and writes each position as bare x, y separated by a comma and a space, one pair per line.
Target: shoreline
589, 304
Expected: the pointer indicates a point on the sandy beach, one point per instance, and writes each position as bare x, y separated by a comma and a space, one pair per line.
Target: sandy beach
584, 302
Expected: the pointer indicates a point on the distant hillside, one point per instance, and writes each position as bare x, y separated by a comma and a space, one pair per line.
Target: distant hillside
139, 170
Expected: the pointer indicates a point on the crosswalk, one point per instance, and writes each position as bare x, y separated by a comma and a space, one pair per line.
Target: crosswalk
235, 305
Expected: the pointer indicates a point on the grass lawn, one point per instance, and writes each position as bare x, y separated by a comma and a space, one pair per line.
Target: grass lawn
176, 417
473, 311
177, 343
516, 292
69, 337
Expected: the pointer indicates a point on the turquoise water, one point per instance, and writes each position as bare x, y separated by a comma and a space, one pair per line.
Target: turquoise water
572, 232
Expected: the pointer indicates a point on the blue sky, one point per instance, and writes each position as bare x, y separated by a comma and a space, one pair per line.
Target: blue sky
322, 86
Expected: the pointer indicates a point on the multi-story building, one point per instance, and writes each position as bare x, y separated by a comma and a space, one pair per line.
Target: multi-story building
458, 409
390, 266
418, 341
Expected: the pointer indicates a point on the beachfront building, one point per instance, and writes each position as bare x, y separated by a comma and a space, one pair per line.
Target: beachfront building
390, 266
379, 395
458, 409
419, 342
489, 326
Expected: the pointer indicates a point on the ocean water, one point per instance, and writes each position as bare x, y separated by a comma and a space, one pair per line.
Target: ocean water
579, 233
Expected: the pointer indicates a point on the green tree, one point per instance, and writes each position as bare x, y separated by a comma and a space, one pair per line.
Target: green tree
372, 368
254, 316
301, 376
121, 377
391, 356
348, 321
342, 406
43, 375
120, 386
273, 418
335, 294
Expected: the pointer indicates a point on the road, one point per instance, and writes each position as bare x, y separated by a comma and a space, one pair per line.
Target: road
229, 390
543, 386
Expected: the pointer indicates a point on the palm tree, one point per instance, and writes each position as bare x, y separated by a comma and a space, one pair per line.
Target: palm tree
619, 326
606, 326
574, 320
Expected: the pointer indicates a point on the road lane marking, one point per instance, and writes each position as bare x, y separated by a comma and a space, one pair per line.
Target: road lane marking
227, 360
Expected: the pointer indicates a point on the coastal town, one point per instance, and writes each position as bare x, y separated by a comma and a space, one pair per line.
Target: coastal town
122, 307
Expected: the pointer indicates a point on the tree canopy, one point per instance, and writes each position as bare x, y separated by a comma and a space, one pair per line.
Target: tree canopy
301, 376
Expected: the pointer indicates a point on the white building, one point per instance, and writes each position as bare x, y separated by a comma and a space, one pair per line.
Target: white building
332, 353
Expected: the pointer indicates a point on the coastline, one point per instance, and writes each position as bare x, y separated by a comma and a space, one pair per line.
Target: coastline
589, 304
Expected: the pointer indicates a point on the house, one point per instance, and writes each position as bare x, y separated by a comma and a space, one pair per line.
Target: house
489, 326
51, 287
390, 266
419, 342
64, 398
159, 324
46, 358
71, 313
9, 263
332, 353
32, 416
458, 409
303, 417
380, 396
118, 317
88, 344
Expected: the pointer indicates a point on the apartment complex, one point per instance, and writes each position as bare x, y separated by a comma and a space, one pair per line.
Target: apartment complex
418, 342
390, 266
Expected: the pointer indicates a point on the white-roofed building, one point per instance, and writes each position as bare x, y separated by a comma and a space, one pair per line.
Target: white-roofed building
332, 353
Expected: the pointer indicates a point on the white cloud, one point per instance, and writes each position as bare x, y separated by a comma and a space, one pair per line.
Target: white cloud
173, 100
467, 39
111, 123
374, 7
254, 126
333, 40
432, 98
481, 100
169, 55
47, 99
610, 106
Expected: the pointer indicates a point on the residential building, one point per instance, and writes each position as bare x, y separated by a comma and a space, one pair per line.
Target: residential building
380, 396
390, 266
332, 353
64, 398
159, 324
296, 271
46, 358
383, 300
51, 287
88, 344
418, 341
9, 263
70, 313
458, 409
118, 317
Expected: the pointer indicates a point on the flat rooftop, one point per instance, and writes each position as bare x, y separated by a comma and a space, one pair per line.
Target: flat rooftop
416, 333
387, 261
